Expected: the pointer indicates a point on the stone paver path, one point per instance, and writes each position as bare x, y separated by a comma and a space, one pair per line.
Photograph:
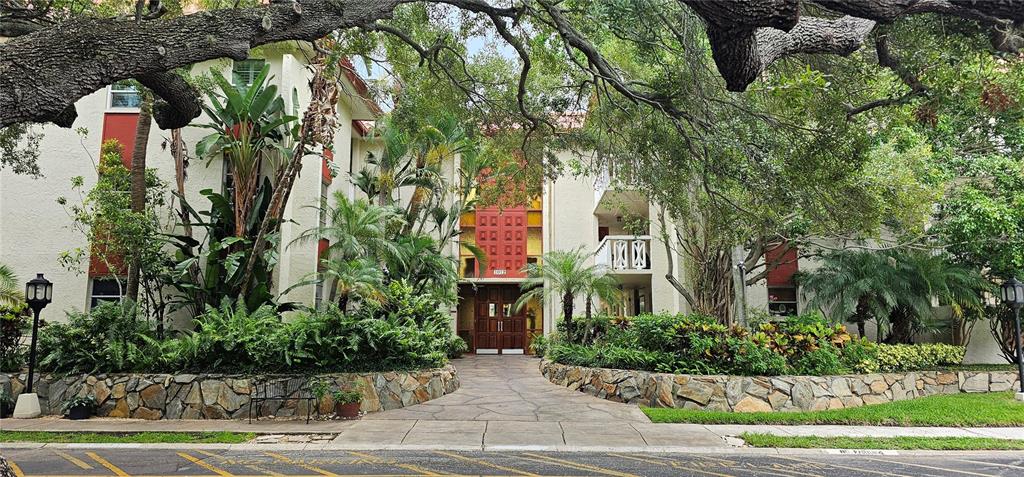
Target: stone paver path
511, 388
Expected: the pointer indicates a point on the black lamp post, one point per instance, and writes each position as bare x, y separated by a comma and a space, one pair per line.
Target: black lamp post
38, 294
1013, 295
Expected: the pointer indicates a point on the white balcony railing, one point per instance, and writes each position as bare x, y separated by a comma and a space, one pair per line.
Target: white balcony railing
624, 252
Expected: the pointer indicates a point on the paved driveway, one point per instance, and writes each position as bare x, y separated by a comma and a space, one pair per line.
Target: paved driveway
511, 388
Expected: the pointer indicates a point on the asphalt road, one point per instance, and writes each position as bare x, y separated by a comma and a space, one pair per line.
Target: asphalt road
83, 461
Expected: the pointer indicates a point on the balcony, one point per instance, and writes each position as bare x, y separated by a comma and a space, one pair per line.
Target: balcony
617, 195
625, 253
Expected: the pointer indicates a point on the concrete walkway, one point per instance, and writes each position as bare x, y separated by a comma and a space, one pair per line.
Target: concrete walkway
510, 388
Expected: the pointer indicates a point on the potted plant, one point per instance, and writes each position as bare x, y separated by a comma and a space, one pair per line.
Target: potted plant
347, 402
6, 404
79, 407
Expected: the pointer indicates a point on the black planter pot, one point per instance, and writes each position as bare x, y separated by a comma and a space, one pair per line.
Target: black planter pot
6, 410
79, 412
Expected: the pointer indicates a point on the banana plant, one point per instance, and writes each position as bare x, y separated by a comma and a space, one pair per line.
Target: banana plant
251, 131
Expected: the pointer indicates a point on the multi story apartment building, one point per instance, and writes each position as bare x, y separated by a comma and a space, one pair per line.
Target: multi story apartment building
33, 238
585, 212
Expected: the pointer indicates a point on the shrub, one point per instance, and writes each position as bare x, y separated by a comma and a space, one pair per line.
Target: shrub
456, 346
696, 344
918, 357
406, 331
13, 321
860, 356
109, 338
229, 337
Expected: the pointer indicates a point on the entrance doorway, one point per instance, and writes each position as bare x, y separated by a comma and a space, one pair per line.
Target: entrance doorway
498, 327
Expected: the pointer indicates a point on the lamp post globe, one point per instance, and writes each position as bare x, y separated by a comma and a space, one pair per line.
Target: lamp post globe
1013, 296
38, 294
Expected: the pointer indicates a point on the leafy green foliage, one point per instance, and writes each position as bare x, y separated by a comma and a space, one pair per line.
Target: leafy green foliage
917, 357
113, 232
14, 320
88, 401
696, 344
110, 338
406, 330
893, 288
693, 344
207, 273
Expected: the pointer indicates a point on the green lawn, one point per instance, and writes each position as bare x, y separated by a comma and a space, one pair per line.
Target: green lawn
973, 410
897, 443
127, 437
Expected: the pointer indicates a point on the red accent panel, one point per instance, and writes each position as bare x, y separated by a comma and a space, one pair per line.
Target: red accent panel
98, 268
325, 171
782, 275
121, 126
321, 250
501, 234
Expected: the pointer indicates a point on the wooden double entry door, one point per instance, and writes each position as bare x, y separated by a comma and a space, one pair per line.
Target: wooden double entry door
498, 327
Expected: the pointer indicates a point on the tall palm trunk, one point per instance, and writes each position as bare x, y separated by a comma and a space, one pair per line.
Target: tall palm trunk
419, 196
138, 186
567, 308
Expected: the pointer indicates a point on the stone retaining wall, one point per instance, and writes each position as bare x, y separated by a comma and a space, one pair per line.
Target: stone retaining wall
776, 393
217, 396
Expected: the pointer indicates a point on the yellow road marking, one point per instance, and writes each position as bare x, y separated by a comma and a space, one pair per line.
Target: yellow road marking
486, 463
576, 465
287, 460
991, 463
16, 469
261, 475
858, 469
74, 460
671, 463
414, 468
105, 463
247, 466
207, 466
932, 468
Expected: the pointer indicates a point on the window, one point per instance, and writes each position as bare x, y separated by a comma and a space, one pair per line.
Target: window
104, 290
228, 182
323, 204
244, 72
124, 95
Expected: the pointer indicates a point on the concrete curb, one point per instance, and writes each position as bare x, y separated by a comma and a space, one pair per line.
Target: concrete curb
503, 448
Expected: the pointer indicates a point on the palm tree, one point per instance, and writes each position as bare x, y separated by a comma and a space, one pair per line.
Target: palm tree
421, 262
356, 229
896, 288
564, 273
854, 286
360, 278
10, 292
927, 277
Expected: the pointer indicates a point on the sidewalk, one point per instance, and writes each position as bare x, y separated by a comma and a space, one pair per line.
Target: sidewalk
503, 435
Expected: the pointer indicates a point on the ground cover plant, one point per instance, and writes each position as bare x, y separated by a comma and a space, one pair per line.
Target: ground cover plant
898, 443
949, 410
